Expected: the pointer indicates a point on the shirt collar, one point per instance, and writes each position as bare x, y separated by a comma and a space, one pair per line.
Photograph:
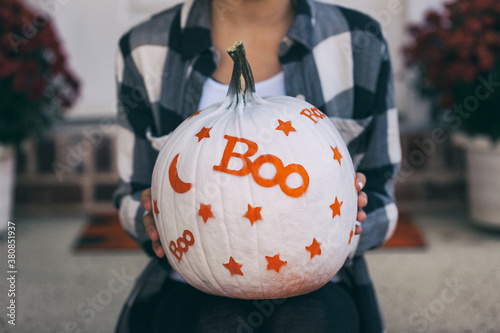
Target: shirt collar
195, 26
195, 36
302, 29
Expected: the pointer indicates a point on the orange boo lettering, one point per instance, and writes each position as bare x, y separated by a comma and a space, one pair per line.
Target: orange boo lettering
183, 244
314, 114
253, 168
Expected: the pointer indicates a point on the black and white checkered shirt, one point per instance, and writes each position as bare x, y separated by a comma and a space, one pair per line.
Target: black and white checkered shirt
335, 58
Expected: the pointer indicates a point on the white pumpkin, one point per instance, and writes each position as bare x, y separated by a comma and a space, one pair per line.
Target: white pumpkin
255, 198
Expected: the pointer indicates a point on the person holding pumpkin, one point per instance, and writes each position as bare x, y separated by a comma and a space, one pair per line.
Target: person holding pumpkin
175, 64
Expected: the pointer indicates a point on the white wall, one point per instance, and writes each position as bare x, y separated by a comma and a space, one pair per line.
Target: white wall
91, 28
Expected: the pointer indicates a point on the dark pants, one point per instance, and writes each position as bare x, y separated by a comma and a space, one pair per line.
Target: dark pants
186, 309
159, 304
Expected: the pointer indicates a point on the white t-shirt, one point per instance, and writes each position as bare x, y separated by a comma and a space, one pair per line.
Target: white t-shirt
215, 92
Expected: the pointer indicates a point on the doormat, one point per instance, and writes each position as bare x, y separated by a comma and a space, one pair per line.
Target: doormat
104, 232
406, 235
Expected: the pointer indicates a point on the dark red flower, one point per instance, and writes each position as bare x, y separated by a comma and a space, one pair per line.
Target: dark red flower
451, 48
414, 29
433, 18
8, 66
19, 83
31, 56
490, 38
486, 59
37, 89
483, 4
473, 24
447, 101
464, 53
469, 73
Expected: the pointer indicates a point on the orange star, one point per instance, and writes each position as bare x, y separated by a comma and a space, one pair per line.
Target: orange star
275, 263
336, 207
350, 236
194, 114
155, 204
204, 133
336, 154
286, 127
233, 267
314, 248
205, 212
253, 214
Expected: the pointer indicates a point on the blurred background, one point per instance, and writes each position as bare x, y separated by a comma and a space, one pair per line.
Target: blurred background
440, 271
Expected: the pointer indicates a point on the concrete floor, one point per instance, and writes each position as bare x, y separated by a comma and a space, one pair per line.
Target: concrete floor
451, 286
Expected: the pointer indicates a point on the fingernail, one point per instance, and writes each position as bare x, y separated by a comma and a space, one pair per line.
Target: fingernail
366, 201
360, 185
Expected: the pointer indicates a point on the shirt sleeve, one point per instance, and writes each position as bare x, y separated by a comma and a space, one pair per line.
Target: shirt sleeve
380, 162
135, 155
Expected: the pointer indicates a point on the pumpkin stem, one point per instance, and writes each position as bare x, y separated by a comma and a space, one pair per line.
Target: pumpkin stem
242, 86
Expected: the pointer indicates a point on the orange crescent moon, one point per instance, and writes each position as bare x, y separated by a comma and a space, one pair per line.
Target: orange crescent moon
177, 184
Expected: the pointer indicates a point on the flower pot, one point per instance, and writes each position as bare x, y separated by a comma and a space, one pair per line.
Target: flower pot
7, 161
483, 168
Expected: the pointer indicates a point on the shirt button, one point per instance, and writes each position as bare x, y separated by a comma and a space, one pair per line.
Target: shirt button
300, 96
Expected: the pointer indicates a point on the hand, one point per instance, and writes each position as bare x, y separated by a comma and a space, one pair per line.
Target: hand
362, 200
149, 223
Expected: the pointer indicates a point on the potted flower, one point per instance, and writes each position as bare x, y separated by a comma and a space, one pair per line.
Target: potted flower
456, 55
36, 86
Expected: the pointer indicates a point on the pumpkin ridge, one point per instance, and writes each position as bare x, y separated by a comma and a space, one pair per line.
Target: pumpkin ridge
257, 238
322, 141
230, 247
305, 202
257, 233
248, 184
184, 149
282, 241
299, 290
199, 147
159, 226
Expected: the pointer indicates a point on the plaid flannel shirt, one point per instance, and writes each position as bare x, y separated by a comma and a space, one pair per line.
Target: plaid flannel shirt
335, 58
